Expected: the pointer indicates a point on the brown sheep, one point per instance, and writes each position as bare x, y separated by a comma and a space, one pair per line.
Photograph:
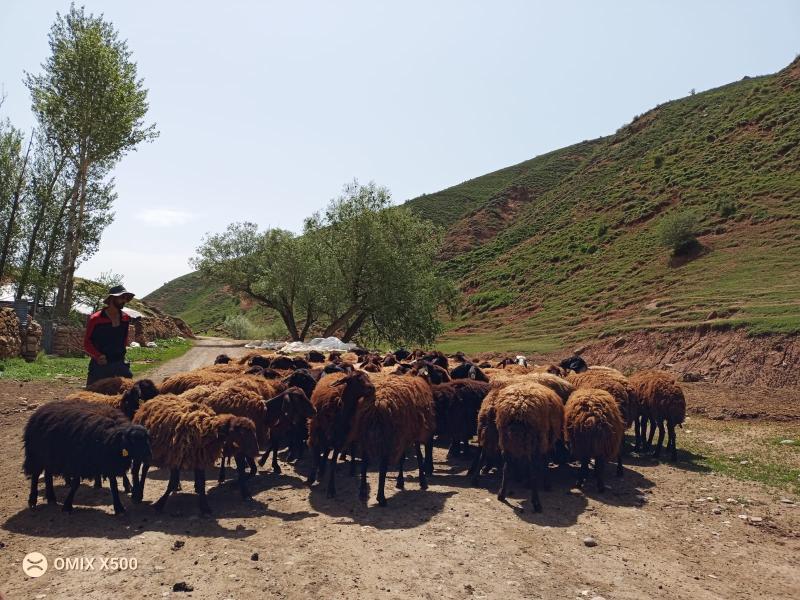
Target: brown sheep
199, 393
661, 400
246, 358
177, 384
488, 438
267, 388
593, 428
399, 413
457, 404
331, 427
190, 435
127, 402
620, 388
529, 420
111, 386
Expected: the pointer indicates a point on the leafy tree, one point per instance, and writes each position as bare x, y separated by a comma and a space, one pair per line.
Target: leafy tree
91, 104
678, 231
93, 293
362, 268
13, 165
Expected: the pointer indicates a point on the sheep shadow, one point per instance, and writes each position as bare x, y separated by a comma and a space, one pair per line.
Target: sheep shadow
687, 460
406, 508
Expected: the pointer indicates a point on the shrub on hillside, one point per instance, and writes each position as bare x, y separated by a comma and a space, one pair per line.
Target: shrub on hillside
678, 231
240, 327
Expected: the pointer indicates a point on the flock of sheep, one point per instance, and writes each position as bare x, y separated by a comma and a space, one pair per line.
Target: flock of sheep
373, 407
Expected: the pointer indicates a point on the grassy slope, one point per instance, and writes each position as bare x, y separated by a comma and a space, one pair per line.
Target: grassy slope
563, 247
583, 258
205, 305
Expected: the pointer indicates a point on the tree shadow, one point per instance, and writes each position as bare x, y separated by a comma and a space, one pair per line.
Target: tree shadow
691, 252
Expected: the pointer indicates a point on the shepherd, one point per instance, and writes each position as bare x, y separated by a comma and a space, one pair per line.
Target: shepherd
106, 337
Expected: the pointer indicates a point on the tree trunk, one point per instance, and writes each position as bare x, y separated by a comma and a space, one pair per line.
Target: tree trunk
354, 327
45, 200
13, 217
51, 249
307, 325
341, 321
66, 278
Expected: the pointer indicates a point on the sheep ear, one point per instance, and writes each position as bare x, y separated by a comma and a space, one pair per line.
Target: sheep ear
424, 372
472, 373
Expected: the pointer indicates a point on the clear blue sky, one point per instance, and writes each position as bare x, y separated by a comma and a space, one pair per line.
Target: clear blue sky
267, 108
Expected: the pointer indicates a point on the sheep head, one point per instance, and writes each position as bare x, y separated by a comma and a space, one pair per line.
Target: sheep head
222, 359
130, 401
147, 389
134, 443
238, 434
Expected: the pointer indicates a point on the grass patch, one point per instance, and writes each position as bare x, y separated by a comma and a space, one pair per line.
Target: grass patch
746, 450
56, 367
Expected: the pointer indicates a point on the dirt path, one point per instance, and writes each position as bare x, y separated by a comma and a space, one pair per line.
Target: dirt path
202, 354
662, 532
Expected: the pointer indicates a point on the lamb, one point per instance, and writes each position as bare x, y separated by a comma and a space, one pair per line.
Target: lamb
391, 417
529, 419
190, 435
80, 439
128, 402
593, 428
467, 370
457, 404
661, 399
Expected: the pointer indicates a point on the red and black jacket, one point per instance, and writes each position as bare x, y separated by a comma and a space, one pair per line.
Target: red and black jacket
103, 338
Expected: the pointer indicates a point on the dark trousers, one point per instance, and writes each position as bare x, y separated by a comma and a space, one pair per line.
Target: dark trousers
118, 368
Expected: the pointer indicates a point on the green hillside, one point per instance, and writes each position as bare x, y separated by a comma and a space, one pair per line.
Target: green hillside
564, 246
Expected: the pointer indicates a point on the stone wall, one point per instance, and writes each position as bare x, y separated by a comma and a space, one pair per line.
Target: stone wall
31, 340
10, 340
68, 340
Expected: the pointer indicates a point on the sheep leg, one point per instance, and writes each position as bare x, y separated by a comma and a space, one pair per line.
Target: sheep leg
200, 490
126, 484
73, 487
253, 468
352, 471
423, 480
332, 476
363, 488
323, 462
34, 495
455, 447
535, 467
135, 473
671, 442
315, 460
466, 449
652, 433
657, 453
584, 473
172, 485
637, 432
241, 470
98, 482
429, 457
401, 481
263, 459
544, 468
221, 477
383, 467
475, 469
118, 507
49, 493
599, 468
501, 495
138, 490
276, 468
619, 461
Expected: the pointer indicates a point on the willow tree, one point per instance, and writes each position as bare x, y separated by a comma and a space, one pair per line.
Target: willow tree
90, 103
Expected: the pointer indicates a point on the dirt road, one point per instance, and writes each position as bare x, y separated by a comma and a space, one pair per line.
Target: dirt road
662, 531
202, 354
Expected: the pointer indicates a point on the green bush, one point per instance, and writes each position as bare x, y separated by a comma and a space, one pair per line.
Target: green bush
726, 207
240, 327
678, 231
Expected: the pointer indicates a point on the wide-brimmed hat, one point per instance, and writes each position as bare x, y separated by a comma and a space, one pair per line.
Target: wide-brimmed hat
117, 291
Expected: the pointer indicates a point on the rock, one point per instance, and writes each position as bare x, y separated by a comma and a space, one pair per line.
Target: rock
712, 315
178, 544
787, 501
182, 586
590, 542
787, 442
756, 519
254, 556
619, 342
579, 350
717, 510
744, 462
691, 376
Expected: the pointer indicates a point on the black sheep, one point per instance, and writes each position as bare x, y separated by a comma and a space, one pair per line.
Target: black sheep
437, 358
80, 440
457, 404
574, 363
222, 359
300, 363
281, 362
298, 433
315, 356
401, 354
467, 370
259, 361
